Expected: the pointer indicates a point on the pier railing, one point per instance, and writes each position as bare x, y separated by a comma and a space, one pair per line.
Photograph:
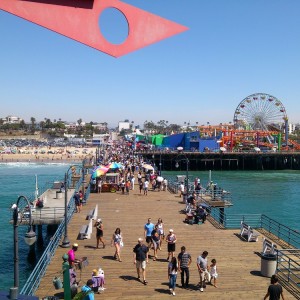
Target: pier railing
258, 221
214, 193
36, 275
288, 269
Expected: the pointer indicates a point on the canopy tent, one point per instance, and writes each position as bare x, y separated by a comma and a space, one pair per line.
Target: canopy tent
157, 139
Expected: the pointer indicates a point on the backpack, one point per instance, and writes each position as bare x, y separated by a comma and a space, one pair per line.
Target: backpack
81, 295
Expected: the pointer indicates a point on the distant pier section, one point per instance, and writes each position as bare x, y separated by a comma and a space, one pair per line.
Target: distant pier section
226, 161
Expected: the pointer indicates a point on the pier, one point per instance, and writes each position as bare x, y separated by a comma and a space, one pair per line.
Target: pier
204, 161
237, 260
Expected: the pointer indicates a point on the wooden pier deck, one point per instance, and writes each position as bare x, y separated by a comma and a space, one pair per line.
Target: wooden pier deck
237, 261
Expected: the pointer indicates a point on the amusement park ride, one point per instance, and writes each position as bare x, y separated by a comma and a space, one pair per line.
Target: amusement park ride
260, 122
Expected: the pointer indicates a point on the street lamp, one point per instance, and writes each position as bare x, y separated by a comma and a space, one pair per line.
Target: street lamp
185, 159
160, 163
66, 242
30, 238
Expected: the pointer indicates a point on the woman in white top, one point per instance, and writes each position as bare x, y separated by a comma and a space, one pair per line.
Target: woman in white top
172, 274
160, 229
117, 241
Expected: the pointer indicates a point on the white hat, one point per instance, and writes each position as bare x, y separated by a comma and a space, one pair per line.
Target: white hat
75, 245
99, 220
140, 239
171, 230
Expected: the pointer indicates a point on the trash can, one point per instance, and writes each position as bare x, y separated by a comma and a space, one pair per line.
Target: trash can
268, 264
59, 195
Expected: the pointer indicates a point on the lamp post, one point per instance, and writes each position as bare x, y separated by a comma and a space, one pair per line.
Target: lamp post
83, 178
66, 242
160, 163
185, 159
30, 238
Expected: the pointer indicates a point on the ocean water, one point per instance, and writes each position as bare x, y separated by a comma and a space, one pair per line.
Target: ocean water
274, 193
19, 179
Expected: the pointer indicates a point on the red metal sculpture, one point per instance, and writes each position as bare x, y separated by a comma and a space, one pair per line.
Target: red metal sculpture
78, 20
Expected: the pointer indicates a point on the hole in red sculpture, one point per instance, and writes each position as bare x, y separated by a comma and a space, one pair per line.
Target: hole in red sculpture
113, 25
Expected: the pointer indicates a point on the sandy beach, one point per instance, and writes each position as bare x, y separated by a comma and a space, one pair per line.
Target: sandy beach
48, 155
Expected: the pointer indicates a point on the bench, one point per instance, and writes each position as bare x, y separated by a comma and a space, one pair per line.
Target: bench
246, 230
93, 213
268, 247
86, 231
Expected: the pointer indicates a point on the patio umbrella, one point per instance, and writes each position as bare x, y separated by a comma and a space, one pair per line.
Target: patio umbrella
148, 167
115, 165
101, 170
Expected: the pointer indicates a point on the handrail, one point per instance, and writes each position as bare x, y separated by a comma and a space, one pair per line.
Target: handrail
288, 266
283, 232
38, 272
280, 231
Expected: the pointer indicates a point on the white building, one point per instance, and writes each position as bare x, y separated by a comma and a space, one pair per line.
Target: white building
292, 128
12, 120
124, 125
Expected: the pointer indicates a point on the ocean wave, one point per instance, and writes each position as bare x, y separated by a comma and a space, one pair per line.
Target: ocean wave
33, 164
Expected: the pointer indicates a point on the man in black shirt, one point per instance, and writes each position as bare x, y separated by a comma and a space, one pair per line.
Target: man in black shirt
140, 256
274, 290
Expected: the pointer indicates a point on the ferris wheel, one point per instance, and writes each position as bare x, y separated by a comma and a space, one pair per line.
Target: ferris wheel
260, 112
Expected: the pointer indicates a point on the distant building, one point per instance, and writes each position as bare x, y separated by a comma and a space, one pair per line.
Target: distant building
292, 128
100, 126
124, 125
12, 120
98, 139
71, 125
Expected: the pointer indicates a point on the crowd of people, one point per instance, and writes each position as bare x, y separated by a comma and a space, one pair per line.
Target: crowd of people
151, 245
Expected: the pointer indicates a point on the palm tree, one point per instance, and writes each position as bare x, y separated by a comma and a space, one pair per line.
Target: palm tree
32, 120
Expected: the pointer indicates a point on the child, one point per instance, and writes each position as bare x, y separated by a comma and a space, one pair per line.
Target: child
98, 280
213, 272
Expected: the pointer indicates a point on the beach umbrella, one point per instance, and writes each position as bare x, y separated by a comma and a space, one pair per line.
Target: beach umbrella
115, 165
101, 170
148, 167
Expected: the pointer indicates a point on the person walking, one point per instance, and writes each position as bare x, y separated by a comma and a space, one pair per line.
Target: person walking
99, 233
160, 228
140, 257
99, 185
148, 228
117, 241
155, 242
81, 199
141, 186
77, 202
274, 290
172, 275
171, 240
132, 181
184, 261
146, 186
213, 272
202, 268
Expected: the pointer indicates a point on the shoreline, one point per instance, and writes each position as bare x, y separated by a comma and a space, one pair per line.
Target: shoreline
40, 155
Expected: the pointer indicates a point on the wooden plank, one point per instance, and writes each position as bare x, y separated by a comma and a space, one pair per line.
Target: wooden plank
237, 261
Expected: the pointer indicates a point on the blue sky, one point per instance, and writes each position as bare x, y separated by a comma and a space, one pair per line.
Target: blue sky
233, 48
